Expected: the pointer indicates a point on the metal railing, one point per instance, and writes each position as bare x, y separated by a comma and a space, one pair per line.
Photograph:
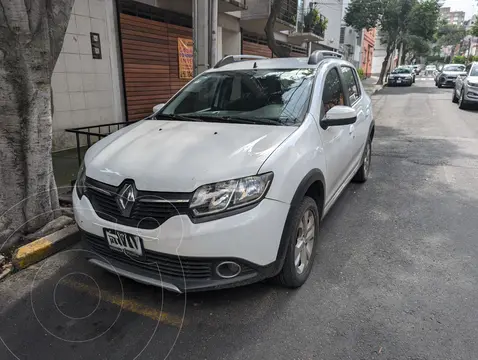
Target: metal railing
311, 21
288, 11
94, 133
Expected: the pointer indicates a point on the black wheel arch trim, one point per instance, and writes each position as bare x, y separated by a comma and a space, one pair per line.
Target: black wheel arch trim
311, 177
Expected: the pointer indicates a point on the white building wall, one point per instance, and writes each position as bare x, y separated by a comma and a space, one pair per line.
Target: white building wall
332, 10
87, 91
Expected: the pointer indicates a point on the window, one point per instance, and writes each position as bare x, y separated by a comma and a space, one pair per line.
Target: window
276, 97
351, 83
333, 92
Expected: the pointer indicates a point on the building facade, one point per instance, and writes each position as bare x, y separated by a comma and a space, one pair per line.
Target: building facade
452, 17
368, 46
120, 58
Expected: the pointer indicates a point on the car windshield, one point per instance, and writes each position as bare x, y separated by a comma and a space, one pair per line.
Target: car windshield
275, 97
474, 71
401, 71
454, 68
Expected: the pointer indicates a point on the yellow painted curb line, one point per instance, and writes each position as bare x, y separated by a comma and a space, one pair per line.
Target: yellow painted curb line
39, 249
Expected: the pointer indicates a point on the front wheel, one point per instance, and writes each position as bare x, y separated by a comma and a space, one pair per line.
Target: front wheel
454, 99
364, 170
461, 101
303, 238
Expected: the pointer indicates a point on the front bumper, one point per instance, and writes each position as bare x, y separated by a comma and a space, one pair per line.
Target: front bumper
471, 94
447, 81
403, 81
181, 256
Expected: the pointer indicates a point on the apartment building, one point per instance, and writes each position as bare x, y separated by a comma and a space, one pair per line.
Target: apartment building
452, 17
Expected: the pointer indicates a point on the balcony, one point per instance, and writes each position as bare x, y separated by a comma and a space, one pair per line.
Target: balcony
231, 5
311, 27
254, 19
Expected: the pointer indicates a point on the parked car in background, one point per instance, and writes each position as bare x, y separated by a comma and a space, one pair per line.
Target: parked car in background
448, 75
466, 87
430, 70
401, 76
228, 182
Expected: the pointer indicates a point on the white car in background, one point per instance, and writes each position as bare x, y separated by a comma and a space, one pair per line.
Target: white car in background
465, 92
228, 182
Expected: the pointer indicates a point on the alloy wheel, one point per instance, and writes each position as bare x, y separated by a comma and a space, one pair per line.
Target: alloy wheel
367, 159
305, 241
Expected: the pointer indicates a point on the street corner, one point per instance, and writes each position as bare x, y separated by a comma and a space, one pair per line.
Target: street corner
41, 248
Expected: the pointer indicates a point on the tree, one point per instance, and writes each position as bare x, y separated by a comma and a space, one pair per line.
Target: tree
389, 16
474, 28
31, 38
277, 49
450, 35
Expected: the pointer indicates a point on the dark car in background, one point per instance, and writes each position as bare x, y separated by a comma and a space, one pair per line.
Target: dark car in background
448, 74
401, 76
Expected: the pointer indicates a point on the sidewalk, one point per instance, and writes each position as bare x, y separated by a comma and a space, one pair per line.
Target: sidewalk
370, 85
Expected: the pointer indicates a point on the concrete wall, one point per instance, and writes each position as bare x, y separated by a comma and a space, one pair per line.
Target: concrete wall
231, 42
87, 91
332, 10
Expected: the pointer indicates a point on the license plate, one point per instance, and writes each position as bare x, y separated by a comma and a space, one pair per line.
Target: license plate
124, 242
399, 81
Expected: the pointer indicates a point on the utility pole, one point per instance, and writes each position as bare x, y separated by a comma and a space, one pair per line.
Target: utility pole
213, 31
201, 35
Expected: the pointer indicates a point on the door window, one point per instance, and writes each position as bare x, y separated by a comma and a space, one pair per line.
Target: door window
351, 83
333, 94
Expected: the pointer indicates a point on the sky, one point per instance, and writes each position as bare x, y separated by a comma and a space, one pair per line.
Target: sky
468, 6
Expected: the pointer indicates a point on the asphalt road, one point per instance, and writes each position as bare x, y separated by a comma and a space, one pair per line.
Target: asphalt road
396, 275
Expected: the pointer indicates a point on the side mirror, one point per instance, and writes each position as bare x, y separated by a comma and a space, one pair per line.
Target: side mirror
157, 108
339, 115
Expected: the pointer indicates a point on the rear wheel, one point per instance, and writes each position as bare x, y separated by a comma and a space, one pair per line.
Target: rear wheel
302, 242
364, 170
454, 97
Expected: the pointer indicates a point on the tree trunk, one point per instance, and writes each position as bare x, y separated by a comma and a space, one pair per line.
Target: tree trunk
390, 48
30, 43
277, 50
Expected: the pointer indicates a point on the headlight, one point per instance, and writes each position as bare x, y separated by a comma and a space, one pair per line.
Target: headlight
472, 83
228, 195
80, 181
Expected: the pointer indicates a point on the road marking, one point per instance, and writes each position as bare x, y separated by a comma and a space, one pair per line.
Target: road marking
127, 304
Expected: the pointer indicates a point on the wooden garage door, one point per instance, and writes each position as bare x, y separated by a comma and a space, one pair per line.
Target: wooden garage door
150, 61
252, 48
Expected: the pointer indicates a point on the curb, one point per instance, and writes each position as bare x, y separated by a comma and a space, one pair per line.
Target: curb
39, 249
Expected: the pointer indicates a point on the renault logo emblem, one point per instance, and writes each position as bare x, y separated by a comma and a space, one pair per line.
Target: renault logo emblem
126, 199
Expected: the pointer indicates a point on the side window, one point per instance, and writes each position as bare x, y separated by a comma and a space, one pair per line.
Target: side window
351, 83
333, 92
468, 68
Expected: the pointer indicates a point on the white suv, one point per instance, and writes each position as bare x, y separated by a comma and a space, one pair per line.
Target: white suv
227, 183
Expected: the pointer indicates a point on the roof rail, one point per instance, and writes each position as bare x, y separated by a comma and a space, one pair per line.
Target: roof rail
319, 55
226, 60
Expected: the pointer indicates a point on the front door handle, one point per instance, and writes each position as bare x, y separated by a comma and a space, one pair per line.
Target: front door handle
351, 130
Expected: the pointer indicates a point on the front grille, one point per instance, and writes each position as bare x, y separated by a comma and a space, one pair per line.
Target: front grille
157, 263
144, 215
153, 262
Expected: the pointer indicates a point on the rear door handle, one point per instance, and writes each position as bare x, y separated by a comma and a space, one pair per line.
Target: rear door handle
351, 129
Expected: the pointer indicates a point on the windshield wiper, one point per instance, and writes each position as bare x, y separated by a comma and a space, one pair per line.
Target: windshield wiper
177, 117
254, 120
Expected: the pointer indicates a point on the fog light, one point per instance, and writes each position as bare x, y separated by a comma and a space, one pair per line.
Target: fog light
228, 269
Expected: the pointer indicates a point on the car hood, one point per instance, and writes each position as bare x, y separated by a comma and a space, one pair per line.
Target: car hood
473, 79
180, 156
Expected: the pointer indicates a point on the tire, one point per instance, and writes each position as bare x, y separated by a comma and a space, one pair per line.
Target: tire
461, 101
292, 275
364, 171
439, 86
454, 99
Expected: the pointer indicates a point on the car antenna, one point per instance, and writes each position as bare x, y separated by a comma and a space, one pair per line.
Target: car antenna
255, 65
